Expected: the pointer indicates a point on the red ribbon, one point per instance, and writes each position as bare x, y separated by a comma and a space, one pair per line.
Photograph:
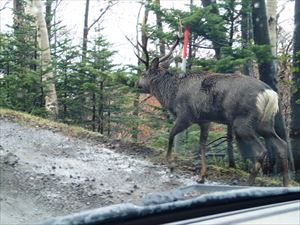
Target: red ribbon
186, 41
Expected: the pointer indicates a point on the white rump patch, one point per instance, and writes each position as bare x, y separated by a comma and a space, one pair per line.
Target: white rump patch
267, 104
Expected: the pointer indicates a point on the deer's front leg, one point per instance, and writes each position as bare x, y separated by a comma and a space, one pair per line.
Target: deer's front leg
181, 123
203, 139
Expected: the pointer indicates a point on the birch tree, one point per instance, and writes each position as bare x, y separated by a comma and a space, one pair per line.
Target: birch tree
50, 96
272, 24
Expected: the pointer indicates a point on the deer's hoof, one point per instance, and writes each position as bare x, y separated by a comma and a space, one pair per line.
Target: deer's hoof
201, 179
171, 165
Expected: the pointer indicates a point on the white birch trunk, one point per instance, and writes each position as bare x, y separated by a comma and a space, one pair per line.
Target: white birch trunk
51, 104
272, 22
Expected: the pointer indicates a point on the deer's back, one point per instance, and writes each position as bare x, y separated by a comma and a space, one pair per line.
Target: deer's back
218, 97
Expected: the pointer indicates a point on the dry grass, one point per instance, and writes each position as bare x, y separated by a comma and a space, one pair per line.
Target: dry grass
70, 131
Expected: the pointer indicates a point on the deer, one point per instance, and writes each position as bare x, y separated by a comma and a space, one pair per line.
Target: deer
245, 103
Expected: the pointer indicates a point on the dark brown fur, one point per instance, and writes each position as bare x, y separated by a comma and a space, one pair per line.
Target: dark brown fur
224, 98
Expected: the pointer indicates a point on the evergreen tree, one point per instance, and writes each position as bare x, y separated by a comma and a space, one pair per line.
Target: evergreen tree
21, 86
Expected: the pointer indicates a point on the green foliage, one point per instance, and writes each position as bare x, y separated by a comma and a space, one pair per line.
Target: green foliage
202, 22
232, 59
21, 86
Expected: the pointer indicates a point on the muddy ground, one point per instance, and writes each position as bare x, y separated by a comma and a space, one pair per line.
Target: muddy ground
46, 173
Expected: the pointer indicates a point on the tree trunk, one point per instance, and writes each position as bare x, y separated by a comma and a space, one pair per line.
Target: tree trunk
295, 108
247, 35
18, 26
19, 10
261, 37
267, 69
109, 118
94, 111
232, 21
162, 49
100, 128
135, 129
65, 97
85, 30
51, 104
191, 48
49, 16
231, 161
246, 22
272, 24
84, 95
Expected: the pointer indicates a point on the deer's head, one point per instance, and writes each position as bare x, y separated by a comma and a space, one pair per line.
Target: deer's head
144, 81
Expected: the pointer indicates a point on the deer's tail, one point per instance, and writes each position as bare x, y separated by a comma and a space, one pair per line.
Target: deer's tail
267, 104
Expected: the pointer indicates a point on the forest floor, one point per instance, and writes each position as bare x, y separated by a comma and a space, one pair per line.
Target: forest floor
50, 169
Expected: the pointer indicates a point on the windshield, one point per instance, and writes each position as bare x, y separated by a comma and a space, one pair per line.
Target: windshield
108, 102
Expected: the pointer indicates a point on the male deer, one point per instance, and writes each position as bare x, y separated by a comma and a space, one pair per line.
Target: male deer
245, 103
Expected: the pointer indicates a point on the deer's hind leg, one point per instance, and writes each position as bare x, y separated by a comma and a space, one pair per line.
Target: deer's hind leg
278, 146
249, 145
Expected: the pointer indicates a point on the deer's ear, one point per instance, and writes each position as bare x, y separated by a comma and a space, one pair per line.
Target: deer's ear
154, 64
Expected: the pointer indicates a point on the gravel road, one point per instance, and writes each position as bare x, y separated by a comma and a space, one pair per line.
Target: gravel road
45, 173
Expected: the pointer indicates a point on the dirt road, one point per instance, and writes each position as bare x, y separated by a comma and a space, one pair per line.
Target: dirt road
45, 173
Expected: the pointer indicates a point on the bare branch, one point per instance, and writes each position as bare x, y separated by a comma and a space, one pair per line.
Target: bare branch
144, 37
137, 22
57, 5
102, 14
144, 48
136, 47
137, 32
128, 39
289, 46
141, 59
280, 11
171, 51
5, 6
200, 46
148, 97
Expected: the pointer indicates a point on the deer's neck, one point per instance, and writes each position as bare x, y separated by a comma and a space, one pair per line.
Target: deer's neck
165, 87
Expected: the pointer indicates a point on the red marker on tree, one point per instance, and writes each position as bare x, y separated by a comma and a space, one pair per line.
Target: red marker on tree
184, 51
